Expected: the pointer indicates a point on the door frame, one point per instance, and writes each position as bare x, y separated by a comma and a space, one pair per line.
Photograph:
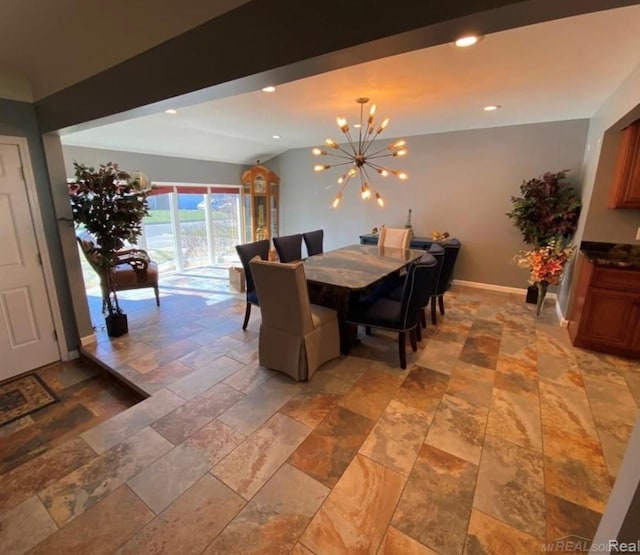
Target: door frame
43, 249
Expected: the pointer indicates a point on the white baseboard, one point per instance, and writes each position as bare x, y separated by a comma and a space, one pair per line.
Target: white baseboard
88, 340
563, 323
498, 288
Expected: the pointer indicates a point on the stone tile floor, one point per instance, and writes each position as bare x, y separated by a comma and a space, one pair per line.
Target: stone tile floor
499, 437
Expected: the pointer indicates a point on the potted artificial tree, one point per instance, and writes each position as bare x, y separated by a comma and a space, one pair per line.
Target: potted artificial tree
110, 204
547, 216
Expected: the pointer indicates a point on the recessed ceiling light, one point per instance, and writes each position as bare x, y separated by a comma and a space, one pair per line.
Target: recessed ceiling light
467, 40
171, 111
492, 108
270, 88
276, 136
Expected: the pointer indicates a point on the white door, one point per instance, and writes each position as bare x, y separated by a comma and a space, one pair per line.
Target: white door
27, 337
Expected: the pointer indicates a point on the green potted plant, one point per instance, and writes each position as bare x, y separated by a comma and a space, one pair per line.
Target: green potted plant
546, 214
547, 210
110, 204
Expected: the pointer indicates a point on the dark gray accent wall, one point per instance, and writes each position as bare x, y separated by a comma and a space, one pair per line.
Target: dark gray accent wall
18, 119
460, 182
157, 168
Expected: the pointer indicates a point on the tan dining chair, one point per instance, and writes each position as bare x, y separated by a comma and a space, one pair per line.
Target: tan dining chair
296, 337
398, 238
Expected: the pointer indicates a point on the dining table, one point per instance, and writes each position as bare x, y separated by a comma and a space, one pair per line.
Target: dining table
342, 277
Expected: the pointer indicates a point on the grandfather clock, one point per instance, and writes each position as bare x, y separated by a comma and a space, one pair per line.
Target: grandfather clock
260, 193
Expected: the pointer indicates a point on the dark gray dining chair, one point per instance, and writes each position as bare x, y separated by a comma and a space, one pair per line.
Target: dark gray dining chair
401, 316
313, 241
288, 247
246, 253
451, 250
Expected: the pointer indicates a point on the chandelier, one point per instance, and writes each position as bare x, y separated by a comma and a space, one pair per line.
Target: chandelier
357, 156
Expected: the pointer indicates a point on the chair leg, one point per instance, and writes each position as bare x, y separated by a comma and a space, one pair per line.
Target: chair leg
401, 349
418, 330
367, 330
155, 289
423, 318
247, 313
412, 339
434, 319
441, 303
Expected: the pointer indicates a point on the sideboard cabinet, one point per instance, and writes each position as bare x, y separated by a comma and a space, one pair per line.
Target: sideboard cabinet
606, 309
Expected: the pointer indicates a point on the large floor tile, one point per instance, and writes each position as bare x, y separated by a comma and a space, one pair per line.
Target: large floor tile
515, 418
575, 469
473, 384
275, 518
101, 529
25, 526
371, 393
397, 438
568, 519
70, 496
181, 422
510, 486
488, 535
566, 408
458, 428
422, 389
255, 460
328, 450
397, 543
356, 514
436, 503
203, 378
190, 523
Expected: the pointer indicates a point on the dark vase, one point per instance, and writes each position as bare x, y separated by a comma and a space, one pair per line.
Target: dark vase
532, 294
117, 324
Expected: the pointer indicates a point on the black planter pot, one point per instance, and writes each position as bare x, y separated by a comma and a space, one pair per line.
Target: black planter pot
532, 294
117, 325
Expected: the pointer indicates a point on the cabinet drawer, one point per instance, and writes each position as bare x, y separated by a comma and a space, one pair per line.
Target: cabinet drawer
615, 278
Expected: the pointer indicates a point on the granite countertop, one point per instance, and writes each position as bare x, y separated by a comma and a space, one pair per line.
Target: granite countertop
612, 254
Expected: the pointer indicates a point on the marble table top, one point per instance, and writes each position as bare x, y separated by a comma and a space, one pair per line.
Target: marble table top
357, 266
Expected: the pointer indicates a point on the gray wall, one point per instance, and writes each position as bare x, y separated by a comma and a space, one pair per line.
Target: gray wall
18, 119
459, 182
157, 168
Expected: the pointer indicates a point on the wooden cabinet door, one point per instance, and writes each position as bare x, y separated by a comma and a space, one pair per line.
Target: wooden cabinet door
625, 190
608, 318
634, 344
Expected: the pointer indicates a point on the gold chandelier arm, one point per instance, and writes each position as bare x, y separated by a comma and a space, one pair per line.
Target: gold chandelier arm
347, 155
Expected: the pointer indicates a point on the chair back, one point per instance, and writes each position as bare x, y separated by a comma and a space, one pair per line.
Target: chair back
451, 250
419, 285
246, 253
284, 299
313, 241
397, 238
288, 247
88, 247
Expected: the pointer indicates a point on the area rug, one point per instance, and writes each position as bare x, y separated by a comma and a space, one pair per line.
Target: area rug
23, 396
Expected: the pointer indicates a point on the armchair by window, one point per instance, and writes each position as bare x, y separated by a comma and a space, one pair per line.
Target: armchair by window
133, 270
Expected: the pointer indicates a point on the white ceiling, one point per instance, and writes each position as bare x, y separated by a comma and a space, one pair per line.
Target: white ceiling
559, 70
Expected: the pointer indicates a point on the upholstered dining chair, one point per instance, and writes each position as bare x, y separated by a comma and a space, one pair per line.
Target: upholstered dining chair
451, 250
394, 237
288, 247
313, 241
401, 316
133, 269
246, 253
296, 337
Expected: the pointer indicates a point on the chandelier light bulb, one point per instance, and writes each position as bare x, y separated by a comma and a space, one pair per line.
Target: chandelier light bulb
360, 155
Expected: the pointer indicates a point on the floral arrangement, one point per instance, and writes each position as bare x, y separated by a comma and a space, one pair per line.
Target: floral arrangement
546, 266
